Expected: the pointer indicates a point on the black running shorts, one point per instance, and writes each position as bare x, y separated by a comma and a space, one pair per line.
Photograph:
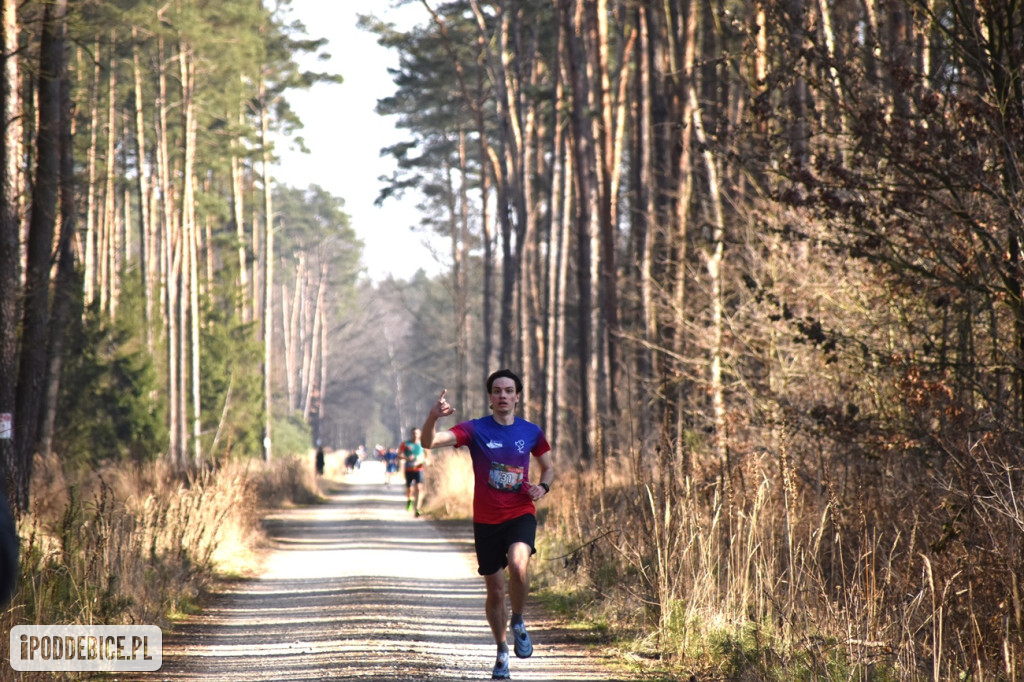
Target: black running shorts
493, 540
413, 477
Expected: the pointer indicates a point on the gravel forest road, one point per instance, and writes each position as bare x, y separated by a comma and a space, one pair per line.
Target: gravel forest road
357, 588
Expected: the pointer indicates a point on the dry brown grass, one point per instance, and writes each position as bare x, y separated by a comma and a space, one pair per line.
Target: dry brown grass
126, 545
448, 480
783, 580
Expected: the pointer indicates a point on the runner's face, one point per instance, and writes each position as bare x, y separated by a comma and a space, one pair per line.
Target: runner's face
503, 395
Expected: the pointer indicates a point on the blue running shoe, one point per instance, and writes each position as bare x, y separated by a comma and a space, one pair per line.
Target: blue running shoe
524, 649
501, 667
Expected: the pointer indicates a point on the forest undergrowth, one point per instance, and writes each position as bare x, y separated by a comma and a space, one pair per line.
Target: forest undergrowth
782, 575
779, 575
123, 544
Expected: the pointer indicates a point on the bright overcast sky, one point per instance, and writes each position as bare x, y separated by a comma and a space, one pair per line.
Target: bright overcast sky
345, 136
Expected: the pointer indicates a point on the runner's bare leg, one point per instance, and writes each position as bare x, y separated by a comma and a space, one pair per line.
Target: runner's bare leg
518, 577
497, 616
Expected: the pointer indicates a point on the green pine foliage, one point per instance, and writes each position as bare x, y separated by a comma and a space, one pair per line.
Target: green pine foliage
110, 406
232, 386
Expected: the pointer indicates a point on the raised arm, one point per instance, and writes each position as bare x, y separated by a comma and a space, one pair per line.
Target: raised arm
430, 437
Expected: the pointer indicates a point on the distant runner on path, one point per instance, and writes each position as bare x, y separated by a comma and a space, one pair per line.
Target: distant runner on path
412, 454
504, 516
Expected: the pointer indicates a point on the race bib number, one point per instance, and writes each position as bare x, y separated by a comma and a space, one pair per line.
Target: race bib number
505, 477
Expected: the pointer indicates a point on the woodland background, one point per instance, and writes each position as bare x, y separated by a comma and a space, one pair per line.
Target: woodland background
758, 263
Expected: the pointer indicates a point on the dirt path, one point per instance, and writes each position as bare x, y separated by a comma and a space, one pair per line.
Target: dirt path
359, 589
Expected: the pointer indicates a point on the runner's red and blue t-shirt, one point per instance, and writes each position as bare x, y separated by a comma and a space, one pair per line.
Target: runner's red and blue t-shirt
501, 465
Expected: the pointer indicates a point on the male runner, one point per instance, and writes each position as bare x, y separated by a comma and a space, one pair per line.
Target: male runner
502, 447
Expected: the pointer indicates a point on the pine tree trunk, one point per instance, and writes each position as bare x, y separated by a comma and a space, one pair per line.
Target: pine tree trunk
798, 93
487, 314
583, 165
561, 293
555, 256
597, 30
10, 228
642, 221
35, 315
487, 160
825, 10
656, 270
91, 237
682, 67
109, 250
66, 281
505, 164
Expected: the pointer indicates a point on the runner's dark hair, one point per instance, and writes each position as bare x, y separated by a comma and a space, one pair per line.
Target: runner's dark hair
507, 374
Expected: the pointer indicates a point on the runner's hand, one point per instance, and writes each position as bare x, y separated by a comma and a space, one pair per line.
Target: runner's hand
441, 408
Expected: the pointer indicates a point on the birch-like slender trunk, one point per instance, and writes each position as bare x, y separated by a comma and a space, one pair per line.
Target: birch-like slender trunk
268, 276
714, 266
305, 320
191, 235
171, 257
289, 331
322, 388
292, 322
460, 260
255, 294
238, 213
526, 254
558, 259
316, 352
